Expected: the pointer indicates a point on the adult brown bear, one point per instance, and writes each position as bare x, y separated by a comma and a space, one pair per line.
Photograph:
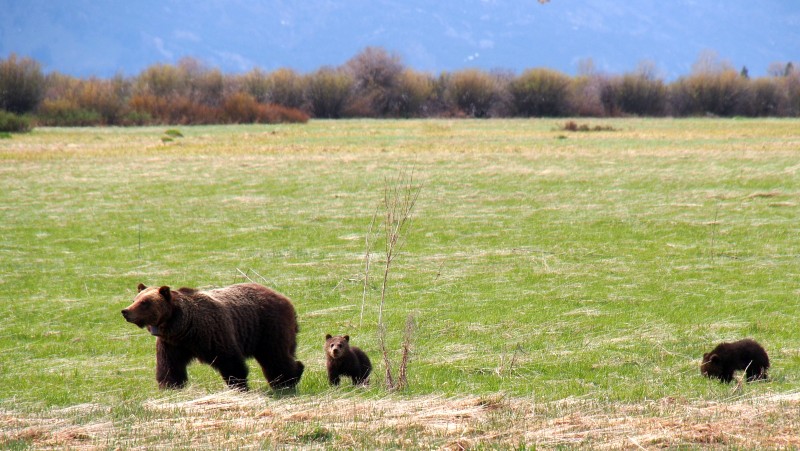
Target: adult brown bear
222, 328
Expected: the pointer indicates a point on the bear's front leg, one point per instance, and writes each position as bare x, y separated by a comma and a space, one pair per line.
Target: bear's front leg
233, 371
334, 380
171, 363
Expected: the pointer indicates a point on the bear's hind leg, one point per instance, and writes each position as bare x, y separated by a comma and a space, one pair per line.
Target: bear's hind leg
233, 371
755, 373
282, 372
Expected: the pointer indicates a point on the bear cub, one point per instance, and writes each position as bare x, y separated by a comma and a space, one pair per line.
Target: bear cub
343, 359
726, 358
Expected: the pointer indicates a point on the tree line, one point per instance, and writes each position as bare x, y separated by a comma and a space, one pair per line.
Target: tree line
376, 84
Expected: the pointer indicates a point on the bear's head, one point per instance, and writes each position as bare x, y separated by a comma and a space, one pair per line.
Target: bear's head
335, 347
711, 367
152, 307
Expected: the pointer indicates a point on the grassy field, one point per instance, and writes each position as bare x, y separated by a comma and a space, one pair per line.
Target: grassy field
564, 285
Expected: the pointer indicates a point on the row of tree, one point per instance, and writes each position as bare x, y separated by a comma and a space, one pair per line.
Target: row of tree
375, 83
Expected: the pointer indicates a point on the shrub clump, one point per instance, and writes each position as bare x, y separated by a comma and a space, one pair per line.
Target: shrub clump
12, 123
572, 126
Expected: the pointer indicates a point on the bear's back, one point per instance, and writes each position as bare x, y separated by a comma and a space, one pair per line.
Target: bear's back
258, 314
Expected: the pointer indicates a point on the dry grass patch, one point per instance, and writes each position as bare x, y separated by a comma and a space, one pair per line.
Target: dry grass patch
230, 419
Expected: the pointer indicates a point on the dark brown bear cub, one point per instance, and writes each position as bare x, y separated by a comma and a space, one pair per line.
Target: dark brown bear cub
222, 328
346, 360
726, 358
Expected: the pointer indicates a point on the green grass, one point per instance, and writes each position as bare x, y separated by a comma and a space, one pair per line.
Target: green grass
597, 267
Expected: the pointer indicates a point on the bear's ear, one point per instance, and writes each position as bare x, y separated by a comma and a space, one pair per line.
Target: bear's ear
165, 293
347, 338
328, 337
142, 287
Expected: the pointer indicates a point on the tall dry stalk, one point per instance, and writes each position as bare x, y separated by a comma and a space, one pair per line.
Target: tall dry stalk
399, 198
408, 332
367, 259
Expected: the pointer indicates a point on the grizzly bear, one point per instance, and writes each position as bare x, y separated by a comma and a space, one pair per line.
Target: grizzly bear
343, 359
222, 328
726, 358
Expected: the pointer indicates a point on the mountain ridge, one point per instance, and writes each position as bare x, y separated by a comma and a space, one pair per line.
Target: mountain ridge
86, 38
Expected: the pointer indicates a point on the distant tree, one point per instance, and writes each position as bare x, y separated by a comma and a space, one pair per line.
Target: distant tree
160, 80
709, 62
285, 87
328, 92
776, 69
203, 85
767, 98
744, 73
256, 83
21, 84
375, 74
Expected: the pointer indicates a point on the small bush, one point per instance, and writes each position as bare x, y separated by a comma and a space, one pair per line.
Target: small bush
10, 122
572, 126
275, 114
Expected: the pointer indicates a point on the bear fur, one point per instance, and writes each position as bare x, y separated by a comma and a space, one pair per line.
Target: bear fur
343, 359
726, 358
222, 328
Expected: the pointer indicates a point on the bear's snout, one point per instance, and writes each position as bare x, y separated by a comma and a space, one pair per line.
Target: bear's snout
129, 317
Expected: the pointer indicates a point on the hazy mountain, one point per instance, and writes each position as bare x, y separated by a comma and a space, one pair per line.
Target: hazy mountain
90, 37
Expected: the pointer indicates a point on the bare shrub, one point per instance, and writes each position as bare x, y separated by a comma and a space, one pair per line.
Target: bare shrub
634, 94
414, 90
472, 92
719, 94
540, 92
585, 92
242, 108
767, 98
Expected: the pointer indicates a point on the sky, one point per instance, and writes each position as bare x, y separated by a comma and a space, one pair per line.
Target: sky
103, 38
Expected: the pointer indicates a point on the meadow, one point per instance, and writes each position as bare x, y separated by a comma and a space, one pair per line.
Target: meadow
563, 285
